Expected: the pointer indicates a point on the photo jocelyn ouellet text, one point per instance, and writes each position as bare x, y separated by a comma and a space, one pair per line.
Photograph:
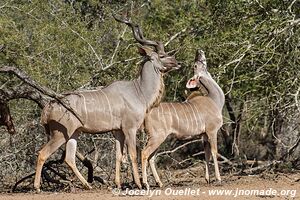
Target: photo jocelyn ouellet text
271, 192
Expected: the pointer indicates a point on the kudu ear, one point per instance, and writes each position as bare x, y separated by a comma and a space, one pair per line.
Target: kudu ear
192, 83
145, 51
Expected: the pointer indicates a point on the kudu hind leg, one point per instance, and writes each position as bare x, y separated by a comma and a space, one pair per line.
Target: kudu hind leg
207, 152
56, 140
120, 138
71, 147
131, 145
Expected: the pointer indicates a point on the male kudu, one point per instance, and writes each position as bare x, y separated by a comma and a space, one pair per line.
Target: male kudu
198, 115
119, 107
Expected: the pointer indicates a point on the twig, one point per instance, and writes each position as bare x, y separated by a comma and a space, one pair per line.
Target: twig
179, 147
291, 5
87, 163
20, 181
91, 47
238, 61
253, 170
118, 62
292, 148
75, 32
296, 98
175, 36
117, 46
2, 47
225, 159
3, 6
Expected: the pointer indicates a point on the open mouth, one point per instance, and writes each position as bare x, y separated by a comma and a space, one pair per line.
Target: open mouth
194, 89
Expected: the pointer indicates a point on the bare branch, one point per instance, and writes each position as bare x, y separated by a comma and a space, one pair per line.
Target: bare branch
91, 47
293, 147
99, 57
291, 5
24, 77
175, 36
179, 147
262, 167
117, 46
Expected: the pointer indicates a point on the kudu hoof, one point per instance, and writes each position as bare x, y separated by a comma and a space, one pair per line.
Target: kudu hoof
207, 181
88, 187
146, 186
118, 186
139, 186
160, 184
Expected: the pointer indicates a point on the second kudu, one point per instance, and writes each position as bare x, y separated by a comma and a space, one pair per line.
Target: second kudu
198, 115
119, 107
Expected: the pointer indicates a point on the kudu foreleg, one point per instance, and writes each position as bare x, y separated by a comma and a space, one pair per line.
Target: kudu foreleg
214, 152
149, 153
154, 171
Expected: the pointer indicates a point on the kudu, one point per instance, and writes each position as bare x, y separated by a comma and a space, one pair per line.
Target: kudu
198, 115
119, 107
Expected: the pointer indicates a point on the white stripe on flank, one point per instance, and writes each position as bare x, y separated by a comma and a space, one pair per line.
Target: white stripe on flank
195, 117
99, 101
199, 118
177, 117
158, 115
110, 110
165, 121
167, 104
99, 98
93, 104
85, 108
187, 120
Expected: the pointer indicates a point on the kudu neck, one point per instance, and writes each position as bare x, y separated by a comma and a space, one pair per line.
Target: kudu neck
151, 84
214, 90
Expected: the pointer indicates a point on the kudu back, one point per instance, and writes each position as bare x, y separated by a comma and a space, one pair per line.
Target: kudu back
120, 107
198, 115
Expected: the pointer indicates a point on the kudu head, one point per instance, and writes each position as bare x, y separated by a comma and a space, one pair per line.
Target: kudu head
200, 69
5, 118
158, 56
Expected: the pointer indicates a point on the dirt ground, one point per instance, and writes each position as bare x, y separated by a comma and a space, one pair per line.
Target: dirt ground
263, 186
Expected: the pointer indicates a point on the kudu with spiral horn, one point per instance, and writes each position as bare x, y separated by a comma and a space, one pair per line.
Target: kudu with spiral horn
119, 107
199, 115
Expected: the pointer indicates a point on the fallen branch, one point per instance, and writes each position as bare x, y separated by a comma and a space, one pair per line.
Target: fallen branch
24, 91
261, 167
226, 160
87, 163
22, 180
46, 91
177, 148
